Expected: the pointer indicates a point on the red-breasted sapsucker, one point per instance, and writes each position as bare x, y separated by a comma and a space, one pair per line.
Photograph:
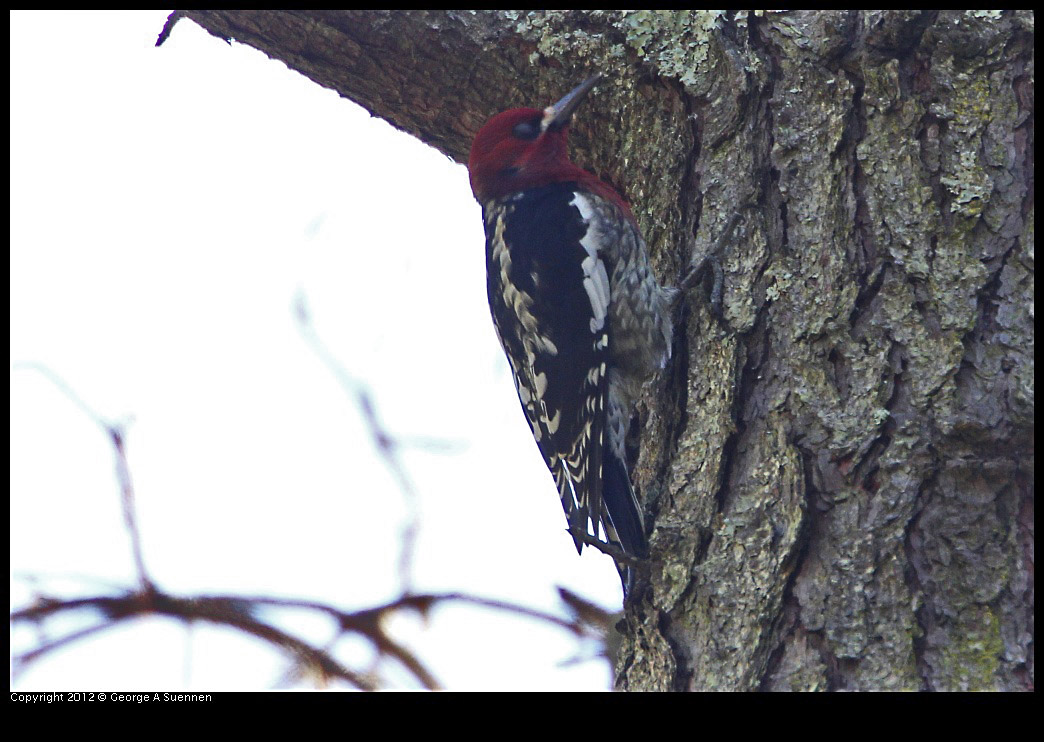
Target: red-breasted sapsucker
581, 317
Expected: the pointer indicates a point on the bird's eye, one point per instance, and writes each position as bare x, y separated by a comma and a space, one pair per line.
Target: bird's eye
527, 129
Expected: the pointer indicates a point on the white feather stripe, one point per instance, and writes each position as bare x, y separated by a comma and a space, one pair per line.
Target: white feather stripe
519, 301
596, 279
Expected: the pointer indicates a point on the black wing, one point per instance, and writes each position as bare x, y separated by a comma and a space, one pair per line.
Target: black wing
548, 291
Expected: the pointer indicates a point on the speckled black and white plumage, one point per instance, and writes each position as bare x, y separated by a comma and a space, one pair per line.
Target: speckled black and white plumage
584, 325
582, 320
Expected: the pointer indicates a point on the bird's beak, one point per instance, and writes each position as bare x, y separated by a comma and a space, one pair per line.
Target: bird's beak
557, 115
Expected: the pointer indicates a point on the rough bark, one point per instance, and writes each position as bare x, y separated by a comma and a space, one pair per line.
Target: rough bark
840, 472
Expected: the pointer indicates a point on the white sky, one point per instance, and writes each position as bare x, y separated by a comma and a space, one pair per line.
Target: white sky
167, 205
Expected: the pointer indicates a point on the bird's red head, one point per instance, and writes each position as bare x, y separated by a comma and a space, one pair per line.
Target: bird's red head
526, 148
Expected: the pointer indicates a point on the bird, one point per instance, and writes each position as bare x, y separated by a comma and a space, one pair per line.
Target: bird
581, 317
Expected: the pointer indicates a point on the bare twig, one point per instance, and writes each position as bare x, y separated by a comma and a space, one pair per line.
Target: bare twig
20, 662
116, 434
240, 612
64, 388
34, 578
228, 611
387, 445
130, 518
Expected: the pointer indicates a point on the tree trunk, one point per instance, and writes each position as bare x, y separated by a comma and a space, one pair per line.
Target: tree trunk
839, 470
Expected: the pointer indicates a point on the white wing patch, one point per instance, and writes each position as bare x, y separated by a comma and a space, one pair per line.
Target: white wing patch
596, 280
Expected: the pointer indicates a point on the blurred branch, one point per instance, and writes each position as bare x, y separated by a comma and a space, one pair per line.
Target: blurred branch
115, 432
598, 621
130, 517
64, 388
388, 446
34, 578
229, 611
243, 612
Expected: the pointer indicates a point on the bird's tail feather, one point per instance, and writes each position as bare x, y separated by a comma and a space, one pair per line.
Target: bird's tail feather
622, 505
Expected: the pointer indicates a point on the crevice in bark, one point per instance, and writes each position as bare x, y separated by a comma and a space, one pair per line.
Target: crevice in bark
911, 548
682, 666
788, 618
868, 272
785, 629
914, 63
1022, 86
784, 245
775, 196
691, 207
755, 352
864, 299
989, 299
839, 372
692, 211
676, 413
866, 468
988, 303
831, 665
